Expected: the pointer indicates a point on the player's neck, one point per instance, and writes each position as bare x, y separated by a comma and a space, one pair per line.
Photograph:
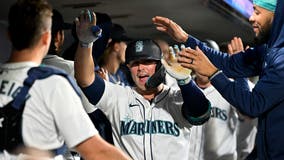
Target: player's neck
111, 67
112, 64
150, 94
25, 55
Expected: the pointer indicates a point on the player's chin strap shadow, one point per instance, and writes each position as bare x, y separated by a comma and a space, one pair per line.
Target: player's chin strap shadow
156, 79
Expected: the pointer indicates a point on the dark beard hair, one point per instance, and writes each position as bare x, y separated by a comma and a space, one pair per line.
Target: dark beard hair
262, 38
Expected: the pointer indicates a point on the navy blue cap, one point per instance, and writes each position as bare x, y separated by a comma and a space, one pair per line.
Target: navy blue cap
118, 33
58, 22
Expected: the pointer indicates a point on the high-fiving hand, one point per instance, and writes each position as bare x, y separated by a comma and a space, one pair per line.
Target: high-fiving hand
164, 24
193, 59
86, 28
196, 60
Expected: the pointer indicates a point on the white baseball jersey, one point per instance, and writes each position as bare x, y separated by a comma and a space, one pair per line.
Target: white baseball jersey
54, 60
144, 130
246, 137
216, 139
53, 114
68, 67
246, 133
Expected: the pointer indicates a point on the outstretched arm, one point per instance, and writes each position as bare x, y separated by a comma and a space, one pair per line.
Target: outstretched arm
84, 65
245, 67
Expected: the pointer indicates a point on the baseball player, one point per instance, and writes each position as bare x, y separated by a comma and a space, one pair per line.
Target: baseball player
53, 113
150, 120
216, 139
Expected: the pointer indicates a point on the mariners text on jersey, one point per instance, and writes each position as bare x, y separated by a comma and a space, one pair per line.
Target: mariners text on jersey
152, 127
219, 113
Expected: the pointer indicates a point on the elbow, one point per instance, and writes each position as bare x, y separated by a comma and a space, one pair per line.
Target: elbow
84, 81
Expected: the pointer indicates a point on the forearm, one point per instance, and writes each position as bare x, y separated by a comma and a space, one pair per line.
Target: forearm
95, 148
244, 64
84, 66
251, 103
196, 107
112, 153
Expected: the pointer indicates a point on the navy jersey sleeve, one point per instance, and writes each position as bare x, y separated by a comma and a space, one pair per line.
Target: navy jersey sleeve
267, 93
242, 65
94, 92
269, 64
196, 107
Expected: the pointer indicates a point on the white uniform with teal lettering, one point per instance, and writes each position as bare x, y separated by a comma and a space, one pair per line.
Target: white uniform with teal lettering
53, 114
223, 137
68, 67
246, 133
144, 130
216, 139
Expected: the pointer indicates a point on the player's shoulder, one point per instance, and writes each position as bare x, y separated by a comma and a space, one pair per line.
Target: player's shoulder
50, 75
60, 63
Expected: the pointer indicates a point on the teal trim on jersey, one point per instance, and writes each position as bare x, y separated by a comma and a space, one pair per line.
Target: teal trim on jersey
201, 119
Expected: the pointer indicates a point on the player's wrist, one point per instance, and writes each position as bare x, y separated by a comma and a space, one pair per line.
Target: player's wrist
184, 81
86, 45
185, 37
215, 73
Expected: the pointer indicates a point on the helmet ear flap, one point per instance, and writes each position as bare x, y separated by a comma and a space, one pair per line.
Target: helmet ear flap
158, 66
158, 77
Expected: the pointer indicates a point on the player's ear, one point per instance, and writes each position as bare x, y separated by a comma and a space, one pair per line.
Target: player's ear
116, 47
128, 65
46, 37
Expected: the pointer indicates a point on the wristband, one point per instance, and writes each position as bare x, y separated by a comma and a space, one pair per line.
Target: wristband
183, 81
86, 45
215, 74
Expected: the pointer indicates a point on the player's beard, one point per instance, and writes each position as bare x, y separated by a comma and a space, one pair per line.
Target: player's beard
59, 50
263, 36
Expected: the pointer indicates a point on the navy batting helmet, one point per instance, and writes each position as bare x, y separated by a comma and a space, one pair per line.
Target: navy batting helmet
142, 49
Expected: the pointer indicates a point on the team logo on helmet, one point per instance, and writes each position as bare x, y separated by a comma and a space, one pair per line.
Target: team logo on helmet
139, 46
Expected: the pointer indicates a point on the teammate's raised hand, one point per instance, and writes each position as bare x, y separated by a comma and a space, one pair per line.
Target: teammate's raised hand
164, 24
86, 28
235, 46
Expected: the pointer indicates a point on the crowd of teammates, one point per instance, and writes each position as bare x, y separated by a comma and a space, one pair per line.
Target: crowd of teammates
128, 104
